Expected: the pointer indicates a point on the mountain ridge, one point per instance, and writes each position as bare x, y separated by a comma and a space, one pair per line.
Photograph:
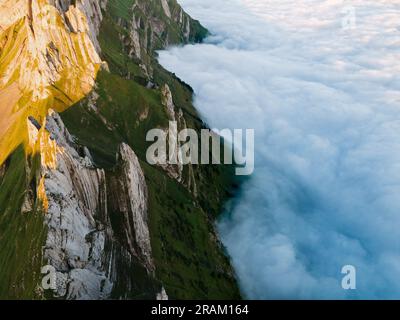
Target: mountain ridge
154, 242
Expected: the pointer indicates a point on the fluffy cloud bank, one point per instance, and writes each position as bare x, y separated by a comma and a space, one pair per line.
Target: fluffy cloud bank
324, 99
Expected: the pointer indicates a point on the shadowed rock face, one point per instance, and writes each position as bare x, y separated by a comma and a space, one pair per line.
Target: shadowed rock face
128, 198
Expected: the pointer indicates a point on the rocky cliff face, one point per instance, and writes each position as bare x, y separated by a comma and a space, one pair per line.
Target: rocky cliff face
111, 225
81, 242
91, 9
78, 224
47, 60
156, 25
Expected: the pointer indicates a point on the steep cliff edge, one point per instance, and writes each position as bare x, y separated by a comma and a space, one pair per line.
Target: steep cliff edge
78, 183
47, 60
84, 242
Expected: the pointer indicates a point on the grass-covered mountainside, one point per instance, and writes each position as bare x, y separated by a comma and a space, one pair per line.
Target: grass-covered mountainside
127, 99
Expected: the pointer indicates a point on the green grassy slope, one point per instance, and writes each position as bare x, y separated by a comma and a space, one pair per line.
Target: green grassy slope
22, 235
189, 260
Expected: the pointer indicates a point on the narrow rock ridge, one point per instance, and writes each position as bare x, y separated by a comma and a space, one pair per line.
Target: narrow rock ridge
154, 32
173, 170
165, 6
128, 189
81, 243
175, 114
96, 219
78, 226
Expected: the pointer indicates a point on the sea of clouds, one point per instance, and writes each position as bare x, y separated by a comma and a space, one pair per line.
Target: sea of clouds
321, 87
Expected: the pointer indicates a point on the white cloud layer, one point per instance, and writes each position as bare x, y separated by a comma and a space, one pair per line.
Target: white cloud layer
325, 104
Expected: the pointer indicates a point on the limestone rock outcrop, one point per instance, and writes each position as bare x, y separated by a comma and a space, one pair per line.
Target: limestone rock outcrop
78, 198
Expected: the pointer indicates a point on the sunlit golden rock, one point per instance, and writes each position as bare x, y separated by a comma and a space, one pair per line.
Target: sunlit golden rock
47, 60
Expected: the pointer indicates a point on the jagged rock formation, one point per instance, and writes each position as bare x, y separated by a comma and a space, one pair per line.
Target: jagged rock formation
77, 195
149, 30
111, 225
78, 225
47, 60
174, 170
92, 10
128, 196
